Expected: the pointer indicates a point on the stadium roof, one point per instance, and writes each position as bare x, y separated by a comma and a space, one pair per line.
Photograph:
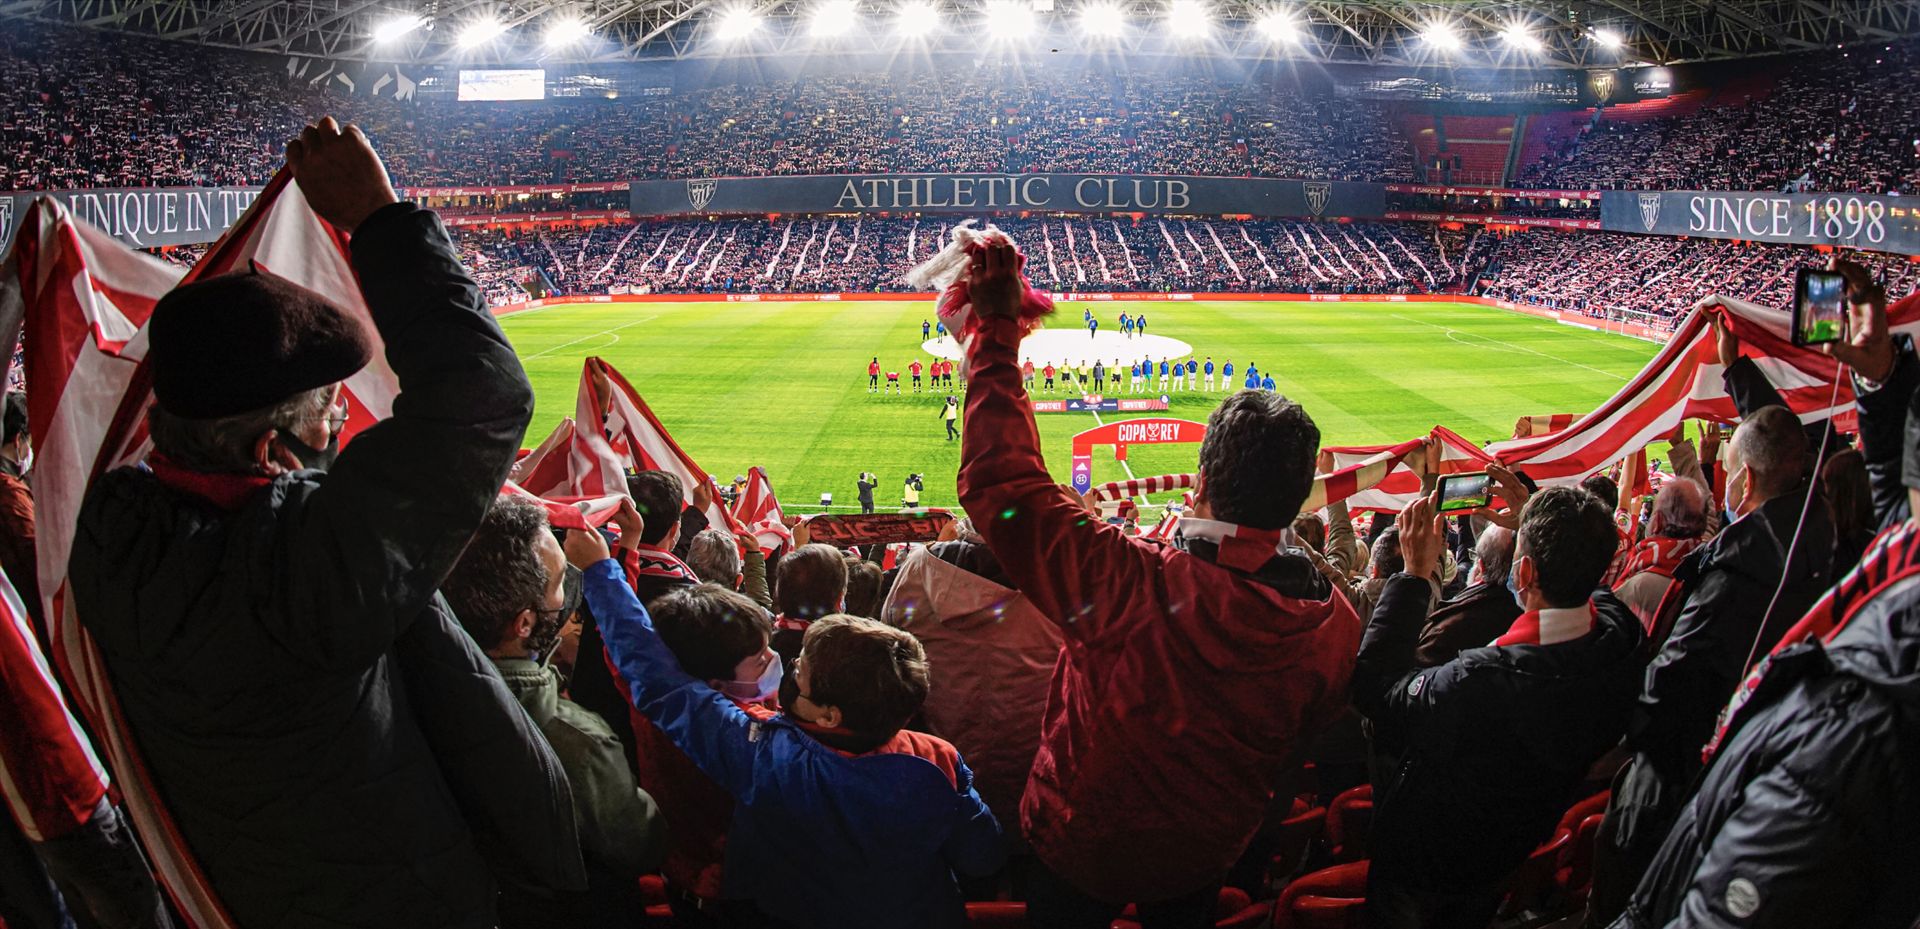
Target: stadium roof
1480, 33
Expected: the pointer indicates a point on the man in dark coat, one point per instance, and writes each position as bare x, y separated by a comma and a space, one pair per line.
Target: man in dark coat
333, 747
1480, 612
1499, 738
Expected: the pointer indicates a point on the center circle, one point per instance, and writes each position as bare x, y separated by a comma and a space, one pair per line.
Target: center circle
1069, 347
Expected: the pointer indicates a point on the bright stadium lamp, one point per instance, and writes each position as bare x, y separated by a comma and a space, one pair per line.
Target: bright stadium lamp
1609, 39
1278, 27
737, 24
392, 29
1104, 20
916, 19
1442, 36
567, 32
1008, 20
481, 31
1521, 38
1189, 19
833, 18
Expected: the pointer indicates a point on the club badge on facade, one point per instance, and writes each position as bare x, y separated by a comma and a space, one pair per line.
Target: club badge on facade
1319, 194
700, 193
1649, 210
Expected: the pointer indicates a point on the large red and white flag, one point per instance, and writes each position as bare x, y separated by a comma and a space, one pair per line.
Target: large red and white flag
49, 775
630, 439
1400, 483
1683, 382
758, 511
82, 301
543, 471
571, 512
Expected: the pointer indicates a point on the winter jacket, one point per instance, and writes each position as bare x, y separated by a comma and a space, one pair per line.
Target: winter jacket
1498, 739
820, 837
652, 572
698, 812
1481, 613
1186, 689
332, 745
622, 834
992, 656
1805, 817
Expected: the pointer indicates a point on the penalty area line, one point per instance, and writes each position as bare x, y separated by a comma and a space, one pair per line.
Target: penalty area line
603, 332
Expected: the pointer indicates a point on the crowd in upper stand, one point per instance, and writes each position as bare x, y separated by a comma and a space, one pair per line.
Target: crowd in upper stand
97, 110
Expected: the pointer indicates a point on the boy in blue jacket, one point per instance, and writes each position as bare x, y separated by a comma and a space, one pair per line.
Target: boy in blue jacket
841, 818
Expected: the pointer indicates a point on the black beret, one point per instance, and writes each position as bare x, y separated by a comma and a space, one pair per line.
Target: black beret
245, 341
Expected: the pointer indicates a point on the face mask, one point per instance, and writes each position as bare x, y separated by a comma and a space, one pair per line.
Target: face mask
1730, 500
1513, 585
313, 459
547, 626
755, 691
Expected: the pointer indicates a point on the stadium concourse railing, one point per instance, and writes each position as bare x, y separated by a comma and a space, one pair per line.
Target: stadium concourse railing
1618, 327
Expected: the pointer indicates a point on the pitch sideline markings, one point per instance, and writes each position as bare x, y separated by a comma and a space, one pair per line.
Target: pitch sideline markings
1518, 348
1124, 466
603, 332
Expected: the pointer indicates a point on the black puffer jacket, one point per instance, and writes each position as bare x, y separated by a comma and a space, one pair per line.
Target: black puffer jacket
1806, 816
333, 746
1498, 739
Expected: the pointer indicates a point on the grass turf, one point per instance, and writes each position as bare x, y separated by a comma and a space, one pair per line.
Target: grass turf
784, 385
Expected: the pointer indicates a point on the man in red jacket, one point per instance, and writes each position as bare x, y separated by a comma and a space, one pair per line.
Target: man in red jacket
1192, 674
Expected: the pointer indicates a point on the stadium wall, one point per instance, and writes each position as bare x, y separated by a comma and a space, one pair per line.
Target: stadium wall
1633, 330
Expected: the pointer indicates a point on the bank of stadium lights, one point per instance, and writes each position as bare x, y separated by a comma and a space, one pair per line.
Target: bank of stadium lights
1103, 20
833, 18
1008, 20
567, 32
1608, 39
736, 24
916, 19
1189, 19
1278, 26
1519, 37
1441, 36
481, 31
392, 30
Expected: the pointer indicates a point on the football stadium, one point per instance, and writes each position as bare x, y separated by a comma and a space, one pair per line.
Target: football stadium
969, 464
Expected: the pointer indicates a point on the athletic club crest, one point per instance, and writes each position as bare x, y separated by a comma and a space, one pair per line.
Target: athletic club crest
1649, 210
1318, 193
6, 220
700, 193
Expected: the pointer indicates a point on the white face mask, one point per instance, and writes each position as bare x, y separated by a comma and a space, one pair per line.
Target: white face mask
756, 691
1732, 500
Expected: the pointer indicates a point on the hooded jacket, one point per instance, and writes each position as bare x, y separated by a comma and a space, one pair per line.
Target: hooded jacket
1805, 817
992, 655
332, 745
1498, 739
1186, 690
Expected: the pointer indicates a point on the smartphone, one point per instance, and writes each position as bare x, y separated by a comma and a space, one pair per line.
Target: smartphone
1465, 491
1819, 307
841, 531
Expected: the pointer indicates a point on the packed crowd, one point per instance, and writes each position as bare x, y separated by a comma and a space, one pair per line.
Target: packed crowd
873, 255
1832, 122
1655, 280
372, 690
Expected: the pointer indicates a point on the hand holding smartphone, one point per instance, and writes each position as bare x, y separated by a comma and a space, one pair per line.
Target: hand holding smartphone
1819, 307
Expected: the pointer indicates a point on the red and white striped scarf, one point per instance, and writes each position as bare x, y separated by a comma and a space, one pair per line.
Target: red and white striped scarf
1658, 554
1550, 626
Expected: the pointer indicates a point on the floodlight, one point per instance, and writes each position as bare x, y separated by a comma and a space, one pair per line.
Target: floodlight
481, 31
1279, 27
1009, 19
396, 27
1102, 19
1518, 37
736, 24
1608, 38
1189, 19
833, 18
916, 18
1442, 36
567, 32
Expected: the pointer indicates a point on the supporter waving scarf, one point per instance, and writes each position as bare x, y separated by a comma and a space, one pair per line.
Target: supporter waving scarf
946, 272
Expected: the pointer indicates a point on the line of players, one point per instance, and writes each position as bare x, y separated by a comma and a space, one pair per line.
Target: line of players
1129, 325
1173, 377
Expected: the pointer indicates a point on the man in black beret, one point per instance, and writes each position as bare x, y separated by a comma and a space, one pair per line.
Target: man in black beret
334, 749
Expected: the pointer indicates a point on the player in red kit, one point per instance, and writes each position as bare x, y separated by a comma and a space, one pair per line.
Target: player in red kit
1026, 374
1047, 372
873, 376
914, 369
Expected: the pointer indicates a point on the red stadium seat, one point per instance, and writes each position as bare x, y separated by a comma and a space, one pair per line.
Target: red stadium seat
997, 914
1580, 811
1234, 910
1574, 878
1333, 897
1531, 886
1349, 822
1297, 833
653, 892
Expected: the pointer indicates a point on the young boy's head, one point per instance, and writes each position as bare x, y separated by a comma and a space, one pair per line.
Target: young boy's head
859, 674
719, 636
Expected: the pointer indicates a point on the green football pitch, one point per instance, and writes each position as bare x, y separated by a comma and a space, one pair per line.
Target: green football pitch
784, 385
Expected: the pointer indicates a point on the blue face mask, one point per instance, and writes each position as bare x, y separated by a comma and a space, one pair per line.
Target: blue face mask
1513, 586
756, 691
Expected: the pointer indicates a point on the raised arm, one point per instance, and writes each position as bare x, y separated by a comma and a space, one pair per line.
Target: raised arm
396, 510
1384, 675
1056, 553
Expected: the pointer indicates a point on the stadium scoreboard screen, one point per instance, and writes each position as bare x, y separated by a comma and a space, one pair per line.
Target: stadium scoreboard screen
528, 84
